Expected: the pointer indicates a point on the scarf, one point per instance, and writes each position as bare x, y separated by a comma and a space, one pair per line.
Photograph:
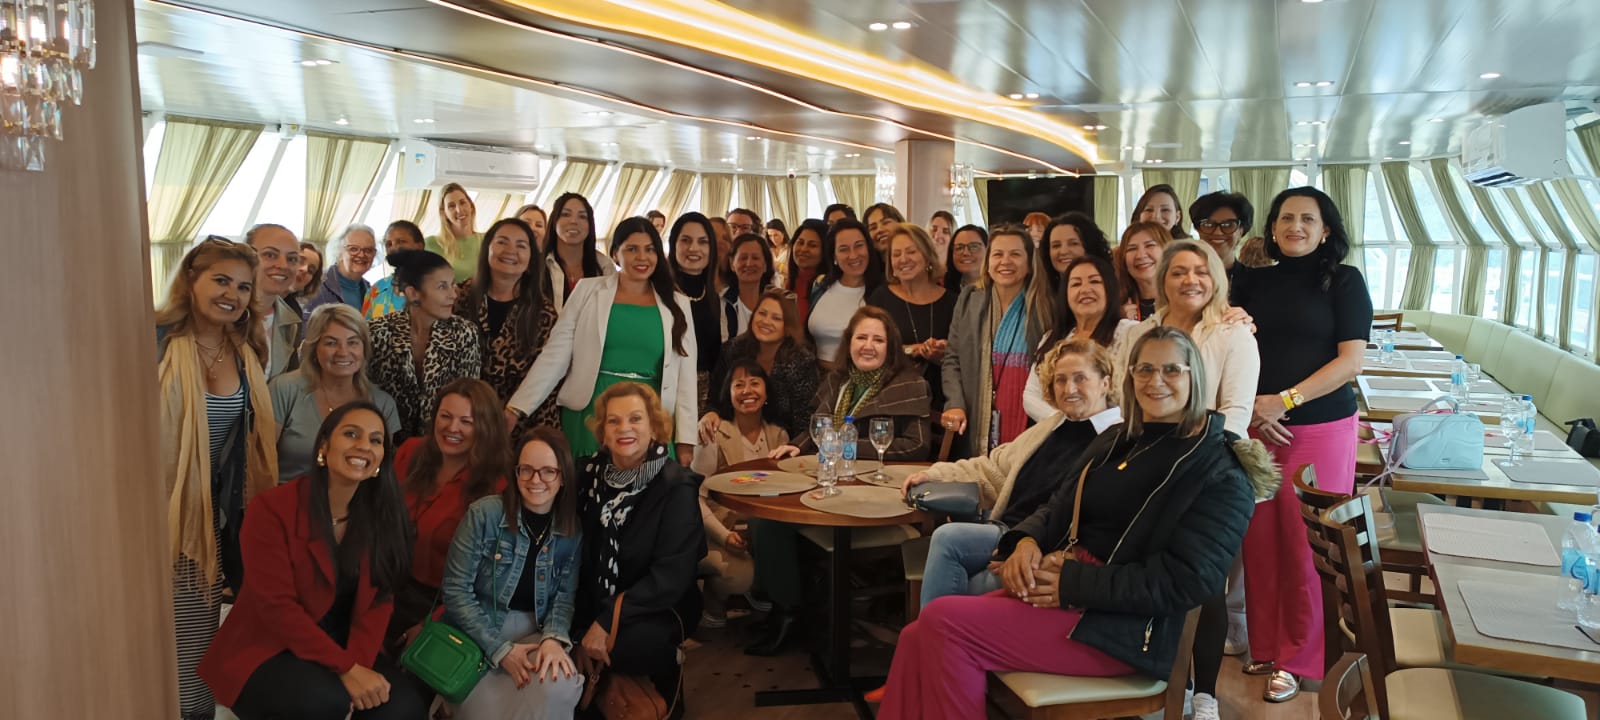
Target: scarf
186, 449
859, 389
616, 510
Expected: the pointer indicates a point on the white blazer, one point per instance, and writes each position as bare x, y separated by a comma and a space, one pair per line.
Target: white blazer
558, 276
573, 352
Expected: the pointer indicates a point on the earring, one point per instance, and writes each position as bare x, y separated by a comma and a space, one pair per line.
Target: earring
321, 459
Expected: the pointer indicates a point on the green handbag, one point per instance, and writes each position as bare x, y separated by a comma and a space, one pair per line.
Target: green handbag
445, 658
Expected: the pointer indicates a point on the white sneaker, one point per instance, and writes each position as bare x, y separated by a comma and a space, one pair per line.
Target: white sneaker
1205, 707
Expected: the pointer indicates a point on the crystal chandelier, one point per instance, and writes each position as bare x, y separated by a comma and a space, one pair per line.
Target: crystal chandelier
883, 181
45, 45
960, 185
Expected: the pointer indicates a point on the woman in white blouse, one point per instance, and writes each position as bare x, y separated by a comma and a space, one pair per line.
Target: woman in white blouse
854, 271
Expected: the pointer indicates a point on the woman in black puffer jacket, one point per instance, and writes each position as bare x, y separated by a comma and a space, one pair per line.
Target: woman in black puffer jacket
1161, 505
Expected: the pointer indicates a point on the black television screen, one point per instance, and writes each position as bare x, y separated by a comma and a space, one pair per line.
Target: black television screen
1011, 199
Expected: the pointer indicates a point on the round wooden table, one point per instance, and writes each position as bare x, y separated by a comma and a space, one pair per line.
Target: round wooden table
836, 682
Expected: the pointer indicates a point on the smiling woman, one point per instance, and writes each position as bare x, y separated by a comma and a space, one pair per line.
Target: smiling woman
985, 366
506, 300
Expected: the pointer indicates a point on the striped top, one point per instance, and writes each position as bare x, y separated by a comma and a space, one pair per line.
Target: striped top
222, 412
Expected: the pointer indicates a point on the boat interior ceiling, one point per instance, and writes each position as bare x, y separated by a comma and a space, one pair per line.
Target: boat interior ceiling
784, 86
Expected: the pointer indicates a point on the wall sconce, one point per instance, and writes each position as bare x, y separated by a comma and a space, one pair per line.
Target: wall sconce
45, 45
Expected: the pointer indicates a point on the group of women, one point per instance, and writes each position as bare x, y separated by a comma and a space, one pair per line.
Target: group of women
509, 436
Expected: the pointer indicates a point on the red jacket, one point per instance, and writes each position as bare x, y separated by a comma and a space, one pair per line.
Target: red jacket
435, 518
288, 587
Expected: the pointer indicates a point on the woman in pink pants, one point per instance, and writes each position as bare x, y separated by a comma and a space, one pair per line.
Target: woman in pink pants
1313, 316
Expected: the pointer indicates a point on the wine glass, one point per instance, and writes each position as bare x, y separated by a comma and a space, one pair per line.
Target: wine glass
831, 450
1474, 374
1511, 427
819, 422
881, 433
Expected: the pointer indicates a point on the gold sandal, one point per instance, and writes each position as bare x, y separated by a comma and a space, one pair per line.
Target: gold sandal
1261, 668
1282, 686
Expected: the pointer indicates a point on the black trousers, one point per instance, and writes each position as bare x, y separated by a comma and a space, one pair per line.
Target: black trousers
288, 688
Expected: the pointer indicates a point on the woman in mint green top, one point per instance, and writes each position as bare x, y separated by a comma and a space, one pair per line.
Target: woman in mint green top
634, 348
457, 240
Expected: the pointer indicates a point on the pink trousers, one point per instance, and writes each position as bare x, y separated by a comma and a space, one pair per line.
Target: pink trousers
1283, 596
940, 663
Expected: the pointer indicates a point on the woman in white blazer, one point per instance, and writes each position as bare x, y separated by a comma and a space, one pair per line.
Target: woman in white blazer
632, 326
569, 251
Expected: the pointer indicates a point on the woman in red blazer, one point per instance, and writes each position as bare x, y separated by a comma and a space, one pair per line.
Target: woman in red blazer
322, 556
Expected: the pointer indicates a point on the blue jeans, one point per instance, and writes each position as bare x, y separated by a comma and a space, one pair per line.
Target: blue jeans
958, 561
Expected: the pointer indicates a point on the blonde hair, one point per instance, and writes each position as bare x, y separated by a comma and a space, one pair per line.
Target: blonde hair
1218, 304
1089, 350
320, 319
660, 419
176, 311
924, 243
447, 238
1130, 287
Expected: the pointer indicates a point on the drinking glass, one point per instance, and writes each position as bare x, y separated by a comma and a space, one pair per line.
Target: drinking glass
831, 450
1474, 374
881, 433
1511, 427
820, 422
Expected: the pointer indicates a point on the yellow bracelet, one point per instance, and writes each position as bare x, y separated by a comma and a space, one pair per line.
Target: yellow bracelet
1288, 401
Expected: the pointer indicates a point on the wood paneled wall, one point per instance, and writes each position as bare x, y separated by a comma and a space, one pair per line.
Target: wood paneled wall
85, 618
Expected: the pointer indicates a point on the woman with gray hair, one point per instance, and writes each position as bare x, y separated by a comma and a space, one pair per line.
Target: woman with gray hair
333, 372
353, 252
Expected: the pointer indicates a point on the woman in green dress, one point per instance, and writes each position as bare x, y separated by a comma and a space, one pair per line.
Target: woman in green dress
631, 326
458, 238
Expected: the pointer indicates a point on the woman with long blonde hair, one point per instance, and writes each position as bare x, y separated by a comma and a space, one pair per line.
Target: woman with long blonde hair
458, 237
217, 439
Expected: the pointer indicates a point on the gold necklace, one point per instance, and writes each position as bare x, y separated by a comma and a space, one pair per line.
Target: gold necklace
1137, 451
211, 364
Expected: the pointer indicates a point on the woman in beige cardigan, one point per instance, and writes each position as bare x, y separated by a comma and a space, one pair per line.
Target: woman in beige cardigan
1016, 478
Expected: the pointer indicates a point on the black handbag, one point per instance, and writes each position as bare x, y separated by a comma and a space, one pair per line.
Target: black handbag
1584, 437
959, 500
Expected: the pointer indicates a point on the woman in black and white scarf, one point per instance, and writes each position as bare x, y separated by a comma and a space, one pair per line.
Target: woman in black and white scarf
642, 543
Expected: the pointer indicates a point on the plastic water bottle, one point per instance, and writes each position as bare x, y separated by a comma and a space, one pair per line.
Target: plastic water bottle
1530, 420
1386, 347
847, 439
1577, 544
1589, 600
1458, 380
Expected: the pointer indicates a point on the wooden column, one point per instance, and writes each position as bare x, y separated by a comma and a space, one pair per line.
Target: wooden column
84, 607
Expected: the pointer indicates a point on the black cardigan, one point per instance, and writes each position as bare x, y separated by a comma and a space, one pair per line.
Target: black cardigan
1174, 556
661, 548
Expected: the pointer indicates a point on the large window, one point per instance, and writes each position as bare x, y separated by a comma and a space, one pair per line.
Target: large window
1555, 266
1583, 303
1493, 281
1385, 268
1379, 260
1444, 280
1527, 279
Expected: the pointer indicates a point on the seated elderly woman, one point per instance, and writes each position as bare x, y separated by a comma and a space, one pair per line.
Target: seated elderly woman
1019, 476
1097, 581
642, 544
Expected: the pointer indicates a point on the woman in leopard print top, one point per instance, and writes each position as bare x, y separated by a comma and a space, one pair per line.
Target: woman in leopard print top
419, 350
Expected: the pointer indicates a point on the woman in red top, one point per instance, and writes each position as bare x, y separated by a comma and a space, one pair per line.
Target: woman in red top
466, 457
323, 555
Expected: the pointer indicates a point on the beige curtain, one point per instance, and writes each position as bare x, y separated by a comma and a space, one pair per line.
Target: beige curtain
1185, 182
1589, 138
1260, 185
859, 191
579, 176
1419, 278
753, 194
1107, 193
633, 182
339, 172
1347, 186
1582, 213
788, 196
1455, 213
491, 206
1513, 256
198, 159
716, 191
675, 196
410, 205
980, 187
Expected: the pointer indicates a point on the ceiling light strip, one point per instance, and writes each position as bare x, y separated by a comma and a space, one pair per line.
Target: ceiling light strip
752, 86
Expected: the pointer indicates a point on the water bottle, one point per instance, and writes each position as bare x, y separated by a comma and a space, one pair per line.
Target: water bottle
1458, 380
1530, 420
1589, 601
1386, 347
1577, 544
847, 439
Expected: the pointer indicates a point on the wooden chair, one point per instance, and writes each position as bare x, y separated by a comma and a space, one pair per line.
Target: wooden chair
1387, 321
1401, 543
1349, 554
1059, 697
1347, 691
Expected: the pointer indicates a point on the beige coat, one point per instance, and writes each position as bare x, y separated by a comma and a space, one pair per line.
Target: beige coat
996, 473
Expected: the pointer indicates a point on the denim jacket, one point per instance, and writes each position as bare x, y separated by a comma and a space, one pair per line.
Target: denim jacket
477, 594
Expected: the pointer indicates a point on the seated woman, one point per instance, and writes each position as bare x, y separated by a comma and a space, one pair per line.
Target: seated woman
510, 581
641, 519
333, 371
323, 554
466, 456
748, 435
1019, 476
1097, 581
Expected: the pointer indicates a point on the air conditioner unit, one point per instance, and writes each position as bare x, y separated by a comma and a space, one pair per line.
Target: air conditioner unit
1521, 147
431, 164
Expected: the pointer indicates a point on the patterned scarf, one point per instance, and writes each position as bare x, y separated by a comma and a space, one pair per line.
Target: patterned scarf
616, 509
859, 389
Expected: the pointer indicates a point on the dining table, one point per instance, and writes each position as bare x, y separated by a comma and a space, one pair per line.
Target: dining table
1552, 472
1408, 363
1411, 340
1385, 398
836, 683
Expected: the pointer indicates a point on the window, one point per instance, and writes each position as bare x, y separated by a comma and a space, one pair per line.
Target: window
232, 211
381, 207
1554, 267
1379, 249
1378, 263
1444, 280
1583, 303
1428, 209
285, 203
1526, 279
1401, 269
1493, 281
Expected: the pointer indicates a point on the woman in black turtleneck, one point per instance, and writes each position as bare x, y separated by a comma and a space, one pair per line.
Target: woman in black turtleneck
694, 262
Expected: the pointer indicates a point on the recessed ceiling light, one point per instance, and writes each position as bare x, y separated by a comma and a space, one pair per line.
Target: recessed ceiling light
1311, 2
727, 160
852, 155
751, 137
316, 62
1436, 120
1156, 161
1303, 84
1405, 142
342, 121
608, 144
1305, 145
1489, 76
538, 147
1015, 96
1302, 159
1388, 157
1324, 83
1032, 96
599, 113
423, 121
1094, 127
1311, 122
1127, 147
738, 169
901, 25
878, 26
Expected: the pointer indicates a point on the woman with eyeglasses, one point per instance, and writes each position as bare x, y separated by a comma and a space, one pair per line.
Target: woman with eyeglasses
570, 253
1097, 581
511, 581
1314, 316
921, 308
217, 431
458, 238
1160, 205
1065, 239
968, 246
854, 271
1221, 220
355, 249
419, 350
775, 343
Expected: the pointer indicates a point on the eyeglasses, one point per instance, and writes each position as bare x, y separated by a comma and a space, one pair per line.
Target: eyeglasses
1225, 225
361, 251
546, 475
741, 228
976, 247
1144, 372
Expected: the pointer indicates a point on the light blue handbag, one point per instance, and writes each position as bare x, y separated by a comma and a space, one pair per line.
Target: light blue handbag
1430, 439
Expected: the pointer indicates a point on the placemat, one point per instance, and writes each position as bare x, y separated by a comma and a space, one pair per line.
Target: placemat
1428, 354
864, 501
1412, 337
807, 465
1550, 472
1543, 440
1522, 607
1432, 366
1399, 384
1397, 403
760, 483
894, 475
1474, 474
1516, 541
1481, 387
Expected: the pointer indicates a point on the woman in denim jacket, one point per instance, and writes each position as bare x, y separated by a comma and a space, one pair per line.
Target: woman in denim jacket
520, 619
